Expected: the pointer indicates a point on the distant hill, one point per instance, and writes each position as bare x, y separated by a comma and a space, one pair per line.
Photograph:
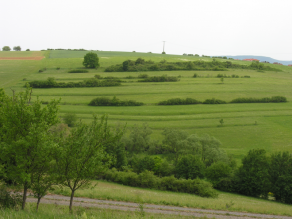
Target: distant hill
261, 58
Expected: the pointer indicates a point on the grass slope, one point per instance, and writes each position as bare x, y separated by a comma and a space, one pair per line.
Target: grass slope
239, 132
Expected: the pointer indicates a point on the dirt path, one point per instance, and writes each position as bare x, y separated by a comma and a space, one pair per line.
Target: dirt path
162, 209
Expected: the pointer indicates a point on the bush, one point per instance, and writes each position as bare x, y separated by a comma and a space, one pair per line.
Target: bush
163, 78
274, 99
214, 101
147, 179
8, 199
179, 101
105, 101
91, 60
70, 119
142, 76
78, 71
218, 171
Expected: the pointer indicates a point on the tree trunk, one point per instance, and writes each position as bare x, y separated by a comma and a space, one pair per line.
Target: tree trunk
71, 201
39, 200
24, 196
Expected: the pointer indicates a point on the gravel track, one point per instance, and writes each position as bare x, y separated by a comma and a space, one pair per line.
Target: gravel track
161, 209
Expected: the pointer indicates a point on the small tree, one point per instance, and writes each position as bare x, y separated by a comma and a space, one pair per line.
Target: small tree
222, 80
91, 60
221, 122
24, 136
27, 50
83, 156
17, 48
6, 48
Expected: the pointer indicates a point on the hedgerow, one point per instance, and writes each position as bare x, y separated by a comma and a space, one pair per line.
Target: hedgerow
105, 101
147, 179
163, 78
214, 101
78, 71
274, 99
142, 65
179, 101
91, 82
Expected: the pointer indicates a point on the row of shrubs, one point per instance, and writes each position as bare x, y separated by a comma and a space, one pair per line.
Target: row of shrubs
105, 101
162, 78
231, 76
147, 179
92, 82
188, 101
142, 65
78, 71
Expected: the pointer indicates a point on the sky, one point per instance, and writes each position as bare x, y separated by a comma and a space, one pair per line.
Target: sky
204, 27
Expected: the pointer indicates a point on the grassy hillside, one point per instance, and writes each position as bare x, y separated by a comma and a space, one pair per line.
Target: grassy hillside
246, 126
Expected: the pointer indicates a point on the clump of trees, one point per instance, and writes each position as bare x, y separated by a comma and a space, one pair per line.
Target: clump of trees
215, 65
6, 48
17, 48
37, 155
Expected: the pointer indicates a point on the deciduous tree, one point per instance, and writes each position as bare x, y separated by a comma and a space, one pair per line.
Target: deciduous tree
91, 60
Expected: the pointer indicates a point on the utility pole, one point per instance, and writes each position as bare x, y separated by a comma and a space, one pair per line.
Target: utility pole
163, 45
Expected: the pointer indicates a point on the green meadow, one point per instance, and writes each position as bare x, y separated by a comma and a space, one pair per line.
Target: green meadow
246, 126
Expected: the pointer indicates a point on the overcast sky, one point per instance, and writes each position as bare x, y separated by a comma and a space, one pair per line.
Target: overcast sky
209, 27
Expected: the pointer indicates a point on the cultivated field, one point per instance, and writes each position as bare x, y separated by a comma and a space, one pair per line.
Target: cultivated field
246, 126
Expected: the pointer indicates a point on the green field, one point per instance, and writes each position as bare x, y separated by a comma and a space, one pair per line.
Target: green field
239, 133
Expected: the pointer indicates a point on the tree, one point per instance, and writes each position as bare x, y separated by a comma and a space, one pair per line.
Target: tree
91, 60
217, 171
280, 172
17, 48
24, 136
252, 178
82, 154
6, 48
190, 167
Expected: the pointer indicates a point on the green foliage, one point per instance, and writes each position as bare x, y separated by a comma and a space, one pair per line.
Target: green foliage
82, 154
214, 101
17, 48
179, 101
190, 167
163, 78
6, 48
91, 82
252, 178
105, 101
218, 173
274, 99
142, 76
70, 119
78, 71
9, 199
91, 60
25, 138
147, 179
280, 172
139, 139
27, 50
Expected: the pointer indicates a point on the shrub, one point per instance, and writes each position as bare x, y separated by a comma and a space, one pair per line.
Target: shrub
274, 99
179, 101
58, 68
142, 76
147, 179
163, 78
195, 75
8, 199
218, 171
70, 119
105, 101
78, 71
214, 101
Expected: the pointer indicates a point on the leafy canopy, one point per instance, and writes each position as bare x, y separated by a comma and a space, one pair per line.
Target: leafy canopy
91, 60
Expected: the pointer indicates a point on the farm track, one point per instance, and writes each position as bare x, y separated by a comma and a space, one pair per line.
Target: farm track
159, 209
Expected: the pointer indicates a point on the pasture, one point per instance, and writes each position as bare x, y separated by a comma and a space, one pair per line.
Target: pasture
246, 126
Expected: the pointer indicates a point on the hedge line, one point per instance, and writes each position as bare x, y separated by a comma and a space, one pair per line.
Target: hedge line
159, 79
147, 179
78, 71
142, 65
188, 101
105, 101
92, 82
